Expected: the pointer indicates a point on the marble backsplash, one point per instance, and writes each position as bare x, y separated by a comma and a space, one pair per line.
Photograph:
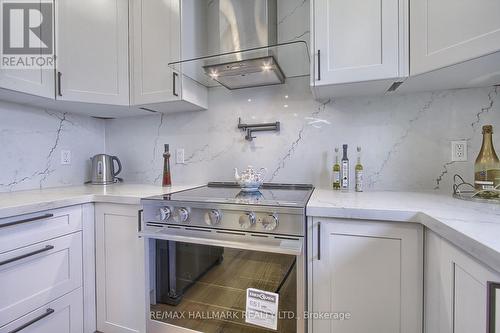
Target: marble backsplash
405, 139
31, 141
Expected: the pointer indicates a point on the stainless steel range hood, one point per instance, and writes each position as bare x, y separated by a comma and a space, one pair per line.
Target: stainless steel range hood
242, 38
235, 25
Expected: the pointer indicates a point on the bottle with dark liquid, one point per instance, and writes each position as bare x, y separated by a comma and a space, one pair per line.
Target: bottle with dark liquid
344, 178
167, 179
487, 167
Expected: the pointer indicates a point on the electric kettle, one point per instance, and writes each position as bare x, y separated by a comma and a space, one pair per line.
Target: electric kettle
103, 169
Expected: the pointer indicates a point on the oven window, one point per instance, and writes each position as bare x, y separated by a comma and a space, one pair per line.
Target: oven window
204, 288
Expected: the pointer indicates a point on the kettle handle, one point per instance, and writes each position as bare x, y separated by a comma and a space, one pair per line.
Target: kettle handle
114, 158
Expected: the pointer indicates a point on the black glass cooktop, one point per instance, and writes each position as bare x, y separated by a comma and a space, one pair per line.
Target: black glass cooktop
270, 194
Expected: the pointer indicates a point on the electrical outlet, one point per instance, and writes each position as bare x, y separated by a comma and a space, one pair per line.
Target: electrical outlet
65, 157
459, 151
179, 156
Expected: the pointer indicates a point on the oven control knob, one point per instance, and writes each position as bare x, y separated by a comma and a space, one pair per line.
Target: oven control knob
181, 215
165, 214
270, 222
247, 220
213, 217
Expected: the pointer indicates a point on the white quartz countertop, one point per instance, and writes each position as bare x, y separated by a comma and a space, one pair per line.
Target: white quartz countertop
24, 202
474, 227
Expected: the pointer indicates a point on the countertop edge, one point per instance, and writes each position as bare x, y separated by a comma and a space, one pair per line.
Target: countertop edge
475, 248
471, 246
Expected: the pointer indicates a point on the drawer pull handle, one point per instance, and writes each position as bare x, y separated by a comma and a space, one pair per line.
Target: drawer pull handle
31, 219
8, 261
319, 240
139, 220
319, 65
47, 313
174, 83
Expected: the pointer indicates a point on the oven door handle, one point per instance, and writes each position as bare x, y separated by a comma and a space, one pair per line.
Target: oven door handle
245, 241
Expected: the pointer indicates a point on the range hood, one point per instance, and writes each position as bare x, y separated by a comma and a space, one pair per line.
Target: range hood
242, 38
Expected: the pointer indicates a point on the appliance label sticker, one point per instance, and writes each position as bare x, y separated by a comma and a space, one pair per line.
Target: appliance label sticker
262, 308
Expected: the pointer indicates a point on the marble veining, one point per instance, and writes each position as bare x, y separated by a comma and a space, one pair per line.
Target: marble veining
31, 141
492, 95
312, 121
375, 177
405, 138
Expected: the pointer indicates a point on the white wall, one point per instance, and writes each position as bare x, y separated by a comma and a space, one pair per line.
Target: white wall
405, 138
31, 141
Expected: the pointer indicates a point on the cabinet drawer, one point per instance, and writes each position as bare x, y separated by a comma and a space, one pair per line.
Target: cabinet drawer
64, 315
37, 274
23, 230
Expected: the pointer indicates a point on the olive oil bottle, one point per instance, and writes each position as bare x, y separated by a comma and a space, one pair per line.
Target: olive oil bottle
336, 171
359, 172
487, 166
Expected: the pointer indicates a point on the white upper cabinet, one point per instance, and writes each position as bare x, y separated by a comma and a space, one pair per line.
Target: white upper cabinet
156, 40
447, 32
39, 82
92, 51
155, 43
357, 41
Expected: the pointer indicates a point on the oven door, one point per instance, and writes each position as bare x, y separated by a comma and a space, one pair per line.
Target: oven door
213, 281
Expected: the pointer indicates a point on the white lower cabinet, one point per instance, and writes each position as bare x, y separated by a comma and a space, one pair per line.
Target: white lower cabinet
63, 315
34, 275
455, 289
368, 272
120, 270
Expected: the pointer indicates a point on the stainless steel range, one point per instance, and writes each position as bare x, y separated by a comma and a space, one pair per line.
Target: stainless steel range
224, 260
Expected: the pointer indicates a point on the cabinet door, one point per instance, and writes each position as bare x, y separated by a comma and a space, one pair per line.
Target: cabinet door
64, 315
372, 271
120, 270
456, 289
356, 40
447, 32
34, 275
155, 42
92, 51
39, 82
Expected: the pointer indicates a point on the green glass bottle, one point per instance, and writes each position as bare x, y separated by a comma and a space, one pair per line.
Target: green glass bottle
487, 166
359, 172
336, 171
